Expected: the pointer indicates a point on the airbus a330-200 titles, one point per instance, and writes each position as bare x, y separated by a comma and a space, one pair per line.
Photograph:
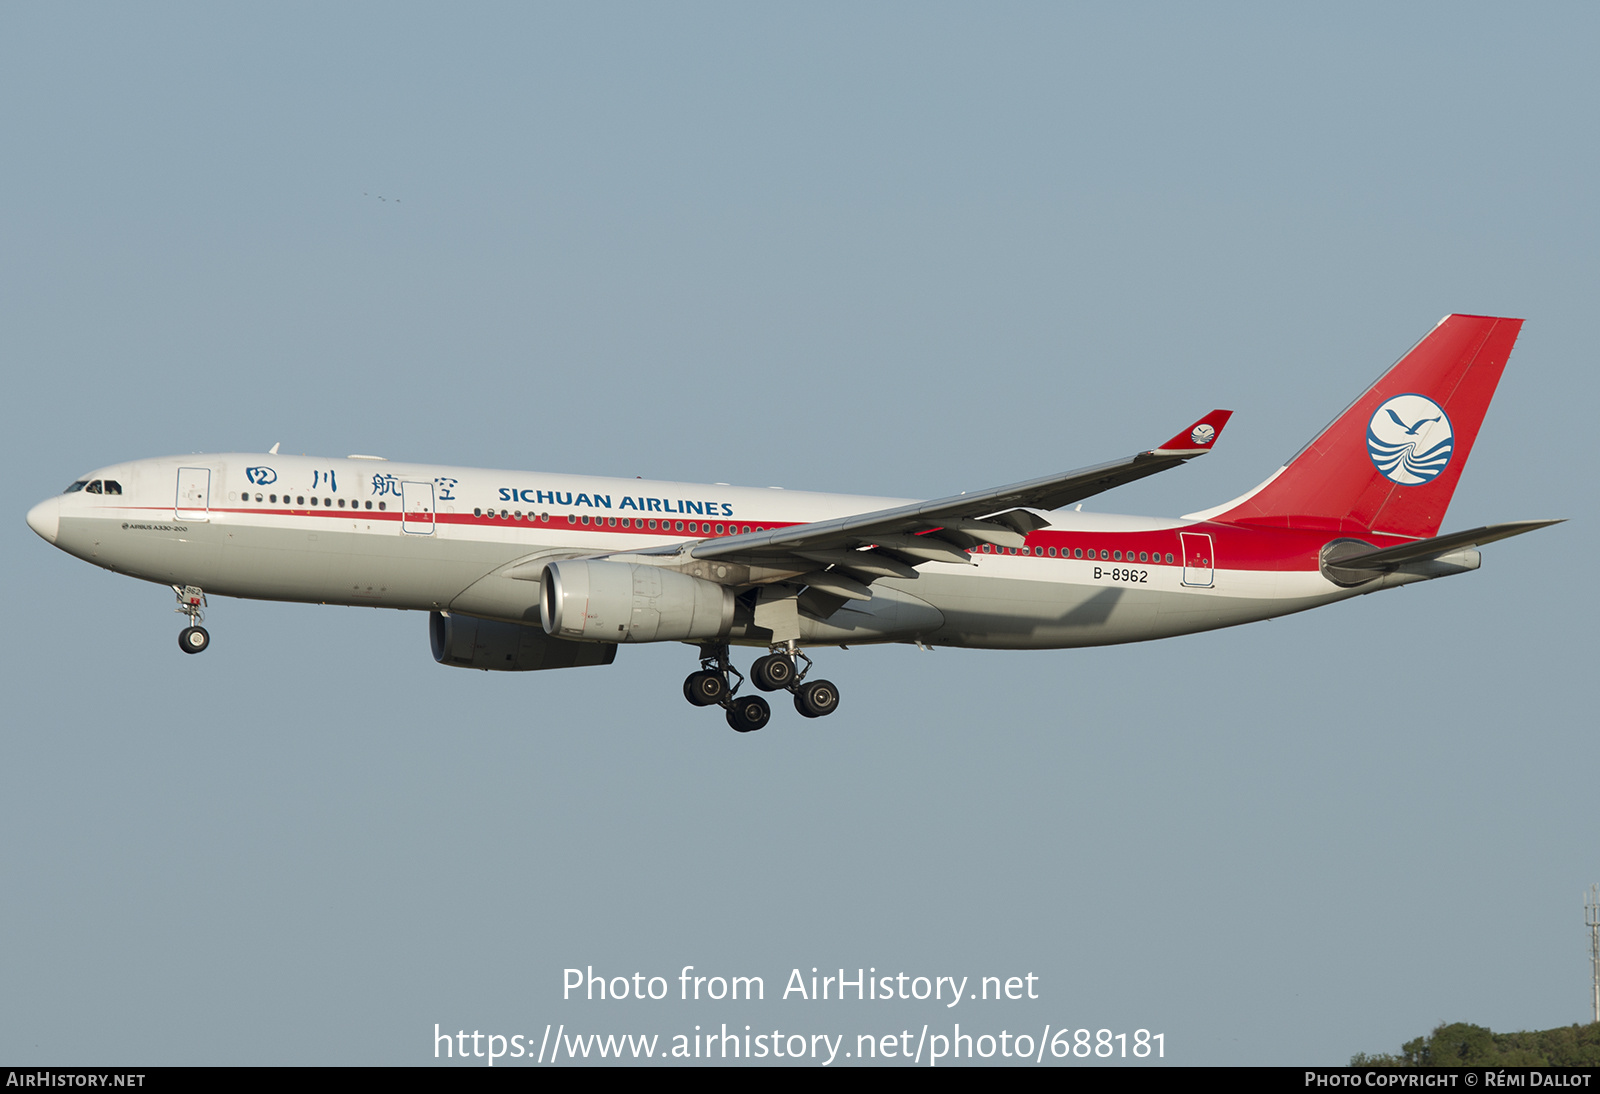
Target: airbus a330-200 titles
522, 571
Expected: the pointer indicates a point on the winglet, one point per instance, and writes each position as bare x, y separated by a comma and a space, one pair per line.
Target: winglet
1197, 438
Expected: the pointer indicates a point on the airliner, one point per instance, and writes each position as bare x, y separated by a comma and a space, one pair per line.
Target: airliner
521, 571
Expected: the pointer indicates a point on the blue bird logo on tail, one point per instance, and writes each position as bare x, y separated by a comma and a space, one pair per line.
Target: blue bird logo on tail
1413, 454
1411, 430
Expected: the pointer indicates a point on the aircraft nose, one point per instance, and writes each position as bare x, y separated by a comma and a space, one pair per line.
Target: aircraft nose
45, 518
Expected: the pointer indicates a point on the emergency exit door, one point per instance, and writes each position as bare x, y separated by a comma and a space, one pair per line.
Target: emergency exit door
416, 508
194, 494
1198, 567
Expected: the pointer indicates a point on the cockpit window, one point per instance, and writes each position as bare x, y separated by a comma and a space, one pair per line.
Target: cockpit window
113, 486
75, 487
93, 487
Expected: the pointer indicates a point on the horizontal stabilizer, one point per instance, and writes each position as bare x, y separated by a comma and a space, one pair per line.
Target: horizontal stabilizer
1390, 557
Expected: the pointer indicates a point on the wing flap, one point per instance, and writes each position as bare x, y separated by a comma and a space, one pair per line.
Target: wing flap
832, 581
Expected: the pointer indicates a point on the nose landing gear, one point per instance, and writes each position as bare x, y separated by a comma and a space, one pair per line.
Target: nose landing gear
775, 671
194, 638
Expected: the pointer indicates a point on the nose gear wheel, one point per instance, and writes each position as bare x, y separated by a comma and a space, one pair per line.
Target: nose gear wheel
191, 603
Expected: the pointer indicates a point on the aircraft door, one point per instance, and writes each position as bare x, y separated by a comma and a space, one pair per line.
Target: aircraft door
1198, 567
416, 508
194, 494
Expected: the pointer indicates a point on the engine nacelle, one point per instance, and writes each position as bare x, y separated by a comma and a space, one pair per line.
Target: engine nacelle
590, 601
471, 643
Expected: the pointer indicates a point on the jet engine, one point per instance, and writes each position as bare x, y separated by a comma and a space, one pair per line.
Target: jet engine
590, 601
471, 643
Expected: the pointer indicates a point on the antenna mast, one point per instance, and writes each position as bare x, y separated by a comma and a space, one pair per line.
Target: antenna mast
1591, 916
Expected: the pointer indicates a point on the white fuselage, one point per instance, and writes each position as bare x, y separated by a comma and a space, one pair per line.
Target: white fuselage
468, 541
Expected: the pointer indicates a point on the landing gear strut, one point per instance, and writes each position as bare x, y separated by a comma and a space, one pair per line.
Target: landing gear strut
194, 638
775, 671
717, 684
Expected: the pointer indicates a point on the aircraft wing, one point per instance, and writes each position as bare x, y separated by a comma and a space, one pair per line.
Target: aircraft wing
895, 540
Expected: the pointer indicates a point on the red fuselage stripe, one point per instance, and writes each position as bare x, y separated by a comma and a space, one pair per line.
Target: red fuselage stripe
1234, 547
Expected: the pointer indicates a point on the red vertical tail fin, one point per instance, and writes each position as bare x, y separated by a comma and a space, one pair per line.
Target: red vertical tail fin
1391, 461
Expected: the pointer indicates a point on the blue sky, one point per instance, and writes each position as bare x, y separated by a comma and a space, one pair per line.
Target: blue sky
897, 249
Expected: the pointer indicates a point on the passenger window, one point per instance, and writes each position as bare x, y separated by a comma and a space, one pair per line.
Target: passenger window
75, 487
1052, 552
369, 505
113, 486
679, 525
93, 487
313, 501
694, 526
273, 498
381, 504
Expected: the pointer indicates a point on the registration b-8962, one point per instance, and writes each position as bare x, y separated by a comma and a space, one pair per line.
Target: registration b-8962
1132, 577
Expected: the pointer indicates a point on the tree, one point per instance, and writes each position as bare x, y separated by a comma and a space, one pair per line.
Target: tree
1460, 1044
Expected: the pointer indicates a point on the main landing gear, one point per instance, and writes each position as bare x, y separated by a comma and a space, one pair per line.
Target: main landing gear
776, 671
194, 638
